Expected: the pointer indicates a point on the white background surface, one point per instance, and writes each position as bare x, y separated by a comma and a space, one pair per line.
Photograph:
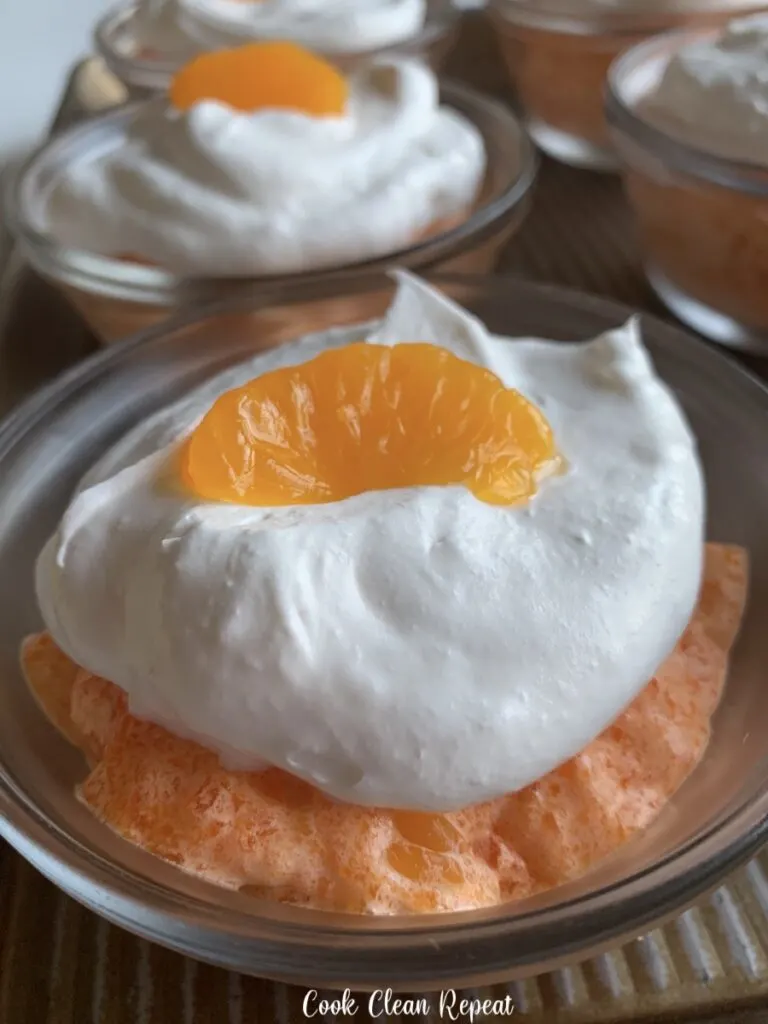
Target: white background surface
39, 41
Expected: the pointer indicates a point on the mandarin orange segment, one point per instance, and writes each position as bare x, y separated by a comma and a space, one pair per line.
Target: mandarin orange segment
364, 418
278, 838
261, 76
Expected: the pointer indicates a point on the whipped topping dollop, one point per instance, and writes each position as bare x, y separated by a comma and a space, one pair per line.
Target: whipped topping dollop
216, 192
409, 648
331, 26
713, 92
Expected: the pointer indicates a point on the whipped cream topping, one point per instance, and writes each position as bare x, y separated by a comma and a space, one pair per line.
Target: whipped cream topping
331, 26
216, 192
409, 648
713, 92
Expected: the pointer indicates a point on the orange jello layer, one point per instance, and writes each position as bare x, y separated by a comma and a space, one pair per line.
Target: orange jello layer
278, 837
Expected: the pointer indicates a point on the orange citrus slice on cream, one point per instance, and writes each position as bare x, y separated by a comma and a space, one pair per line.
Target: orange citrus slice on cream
258, 76
367, 418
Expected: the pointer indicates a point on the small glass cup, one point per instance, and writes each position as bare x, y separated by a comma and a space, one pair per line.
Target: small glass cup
714, 823
145, 71
558, 60
703, 219
117, 297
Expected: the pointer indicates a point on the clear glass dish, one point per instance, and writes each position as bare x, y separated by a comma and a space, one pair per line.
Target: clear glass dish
717, 820
702, 218
558, 57
142, 72
117, 297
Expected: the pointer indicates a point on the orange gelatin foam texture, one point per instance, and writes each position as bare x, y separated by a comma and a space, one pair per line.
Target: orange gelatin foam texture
258, 76
274, 836
368, 417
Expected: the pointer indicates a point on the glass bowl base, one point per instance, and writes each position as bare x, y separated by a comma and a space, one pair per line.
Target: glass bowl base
570, 149
714, 325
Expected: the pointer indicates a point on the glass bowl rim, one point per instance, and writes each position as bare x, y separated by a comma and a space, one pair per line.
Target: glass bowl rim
349, 948
153, 73
554, 16
94, 273
622, 116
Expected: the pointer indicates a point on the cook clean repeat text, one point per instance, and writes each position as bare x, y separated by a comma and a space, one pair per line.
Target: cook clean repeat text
384, 1003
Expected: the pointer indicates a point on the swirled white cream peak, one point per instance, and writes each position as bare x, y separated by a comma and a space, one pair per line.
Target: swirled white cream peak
286, 167
713, 92
343, 26
411, 647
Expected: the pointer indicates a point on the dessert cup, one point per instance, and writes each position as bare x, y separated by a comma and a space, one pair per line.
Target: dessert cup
558, 58
117, 297
715, 821
148, 72
703, 219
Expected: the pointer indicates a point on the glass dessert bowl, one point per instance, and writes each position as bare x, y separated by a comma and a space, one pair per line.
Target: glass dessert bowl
145, 43
717, 818
697, 178
405, 173
558, 54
